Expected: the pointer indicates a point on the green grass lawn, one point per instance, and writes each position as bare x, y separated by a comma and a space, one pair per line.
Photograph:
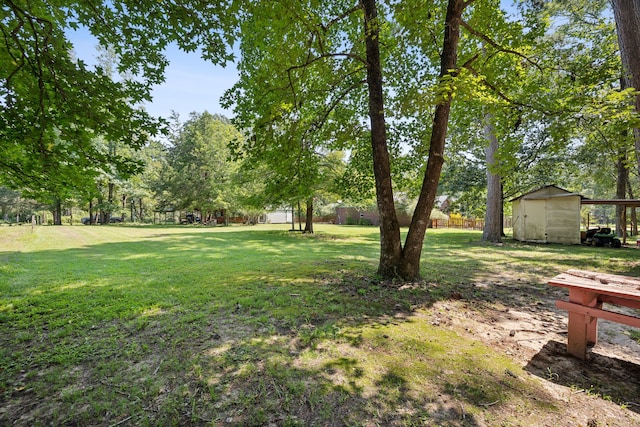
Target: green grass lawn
126, 325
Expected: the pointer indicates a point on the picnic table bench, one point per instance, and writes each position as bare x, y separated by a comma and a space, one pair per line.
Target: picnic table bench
588, 291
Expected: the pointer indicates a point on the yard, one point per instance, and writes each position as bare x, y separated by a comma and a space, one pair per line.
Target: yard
150, 325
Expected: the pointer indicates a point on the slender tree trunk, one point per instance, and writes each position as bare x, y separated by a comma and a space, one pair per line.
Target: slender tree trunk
293, 218
390, 244
110, 190
493, 219
57, 212
621, 191
101, 213
409, 268
308, 224
627, 16
634, 217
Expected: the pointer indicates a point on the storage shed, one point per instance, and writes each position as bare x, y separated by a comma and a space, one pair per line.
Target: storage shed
547, 215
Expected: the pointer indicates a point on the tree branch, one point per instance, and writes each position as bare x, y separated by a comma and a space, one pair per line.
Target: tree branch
322, 120
505, 97
339, 18
493, 43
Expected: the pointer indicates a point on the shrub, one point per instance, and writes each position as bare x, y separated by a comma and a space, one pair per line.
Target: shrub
351, 221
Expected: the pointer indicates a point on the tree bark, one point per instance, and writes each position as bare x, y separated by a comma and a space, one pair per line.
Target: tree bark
409, 268
627, 17
308, 223
621, 191
57, 212
634, 217
101, 213
111, 190
390, 244
493, 219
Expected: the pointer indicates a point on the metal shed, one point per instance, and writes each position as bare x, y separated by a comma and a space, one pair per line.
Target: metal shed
547, 215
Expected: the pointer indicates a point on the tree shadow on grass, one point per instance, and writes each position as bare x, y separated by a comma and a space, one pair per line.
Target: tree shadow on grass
273, 380
183, 329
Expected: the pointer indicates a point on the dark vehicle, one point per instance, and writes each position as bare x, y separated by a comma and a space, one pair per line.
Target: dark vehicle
602, 236
190, 219
86, 220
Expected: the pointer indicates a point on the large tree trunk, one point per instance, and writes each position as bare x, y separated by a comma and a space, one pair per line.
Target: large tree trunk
627, 16
409, 268
493, 219
308, 223
390, 244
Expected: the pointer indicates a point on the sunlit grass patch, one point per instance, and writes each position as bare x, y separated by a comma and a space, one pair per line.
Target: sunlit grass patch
255, 326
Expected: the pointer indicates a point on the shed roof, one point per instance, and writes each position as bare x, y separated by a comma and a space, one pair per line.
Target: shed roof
540, 193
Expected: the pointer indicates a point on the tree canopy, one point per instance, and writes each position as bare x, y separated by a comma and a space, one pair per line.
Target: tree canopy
53, 106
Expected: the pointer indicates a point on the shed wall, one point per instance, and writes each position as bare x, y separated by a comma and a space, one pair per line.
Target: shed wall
563, 220
547, 216
517, 220
535, 220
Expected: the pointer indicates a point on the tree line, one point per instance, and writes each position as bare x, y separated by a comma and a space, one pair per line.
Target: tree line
368, 99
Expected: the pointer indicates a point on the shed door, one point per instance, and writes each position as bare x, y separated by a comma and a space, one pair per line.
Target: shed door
535, 218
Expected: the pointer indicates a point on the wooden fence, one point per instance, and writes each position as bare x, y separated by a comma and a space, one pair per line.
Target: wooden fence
471, 224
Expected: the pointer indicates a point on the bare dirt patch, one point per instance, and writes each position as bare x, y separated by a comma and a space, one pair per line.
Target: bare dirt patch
520, 320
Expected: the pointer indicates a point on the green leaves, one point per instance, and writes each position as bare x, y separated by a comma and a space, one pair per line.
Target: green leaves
200, 173
52, 107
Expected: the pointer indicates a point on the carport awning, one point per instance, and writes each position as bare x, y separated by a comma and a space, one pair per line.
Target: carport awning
635, 203
626, 203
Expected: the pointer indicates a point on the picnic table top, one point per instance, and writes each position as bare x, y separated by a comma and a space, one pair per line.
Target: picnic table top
601, 283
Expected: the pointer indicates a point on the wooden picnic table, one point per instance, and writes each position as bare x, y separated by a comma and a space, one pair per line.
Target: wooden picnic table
588, 290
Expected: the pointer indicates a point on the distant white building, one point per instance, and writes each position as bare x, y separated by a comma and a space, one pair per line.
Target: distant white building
280, 216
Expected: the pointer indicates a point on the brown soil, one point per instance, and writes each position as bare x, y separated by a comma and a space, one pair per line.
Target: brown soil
521, 321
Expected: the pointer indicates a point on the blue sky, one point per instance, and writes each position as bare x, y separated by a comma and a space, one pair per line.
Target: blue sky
191, 84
